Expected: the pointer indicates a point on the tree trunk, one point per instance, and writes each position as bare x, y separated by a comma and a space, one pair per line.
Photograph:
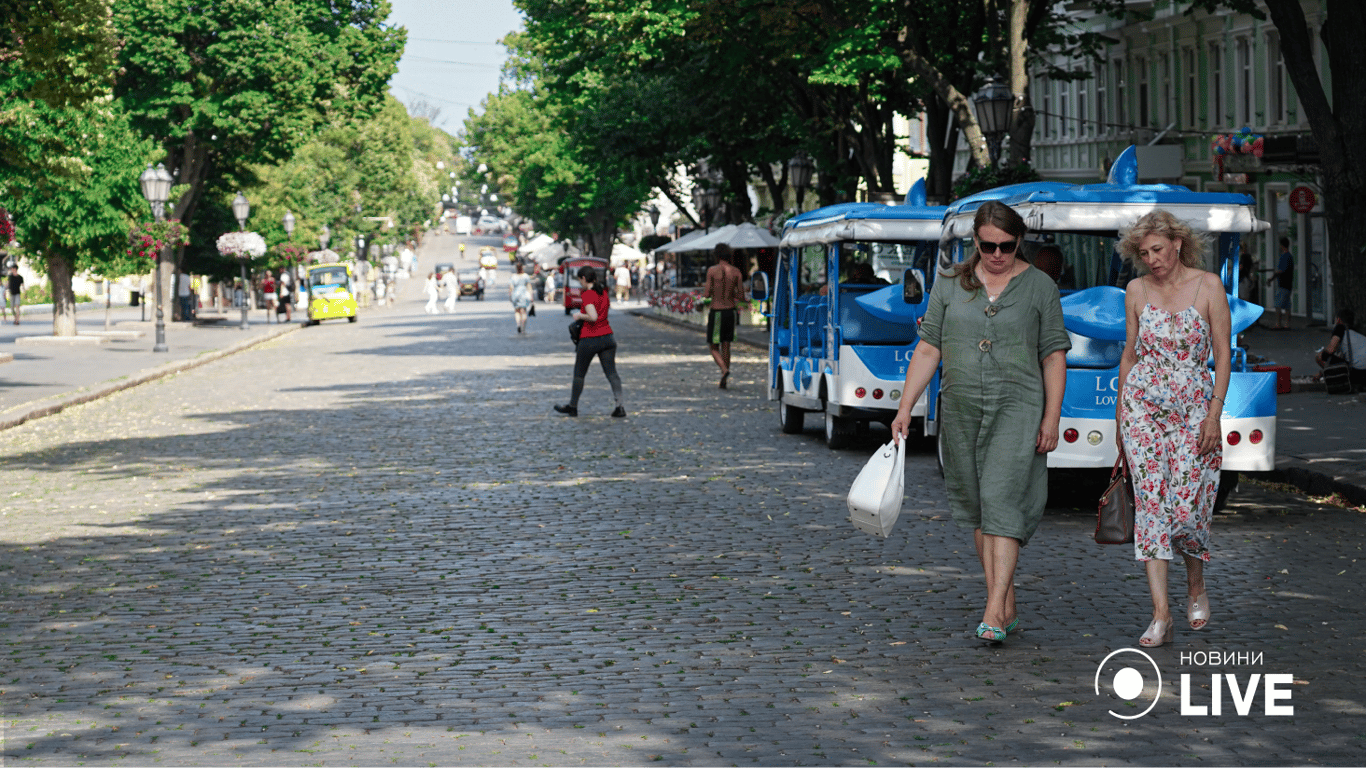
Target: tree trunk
1021, 132
59, 272
1339, 131
601, 234
941, 136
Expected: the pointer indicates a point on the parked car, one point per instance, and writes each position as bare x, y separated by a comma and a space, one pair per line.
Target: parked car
443, 268
463, 225
471, 284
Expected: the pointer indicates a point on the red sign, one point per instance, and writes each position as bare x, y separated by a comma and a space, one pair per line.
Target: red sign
1302, 199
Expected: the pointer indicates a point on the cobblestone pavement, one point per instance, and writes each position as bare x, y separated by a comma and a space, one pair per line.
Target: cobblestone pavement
374, 543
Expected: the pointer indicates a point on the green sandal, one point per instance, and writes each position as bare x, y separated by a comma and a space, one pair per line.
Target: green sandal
1013, 626
990, 634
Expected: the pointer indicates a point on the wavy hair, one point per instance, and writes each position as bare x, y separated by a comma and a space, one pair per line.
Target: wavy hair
1194, 245
998, 215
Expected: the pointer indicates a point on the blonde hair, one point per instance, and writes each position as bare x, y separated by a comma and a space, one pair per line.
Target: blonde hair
1159, 222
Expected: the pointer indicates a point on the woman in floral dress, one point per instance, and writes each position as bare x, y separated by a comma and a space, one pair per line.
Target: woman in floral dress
1176, 313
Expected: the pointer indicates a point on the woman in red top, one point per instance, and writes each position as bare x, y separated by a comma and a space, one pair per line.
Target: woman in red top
595, 341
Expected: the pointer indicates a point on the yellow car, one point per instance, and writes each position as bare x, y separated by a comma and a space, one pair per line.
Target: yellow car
331, 293
486, 258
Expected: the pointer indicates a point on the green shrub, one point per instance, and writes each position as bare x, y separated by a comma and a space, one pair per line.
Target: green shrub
42, 294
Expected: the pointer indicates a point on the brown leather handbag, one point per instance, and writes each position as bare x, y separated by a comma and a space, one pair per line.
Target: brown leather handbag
1115, 514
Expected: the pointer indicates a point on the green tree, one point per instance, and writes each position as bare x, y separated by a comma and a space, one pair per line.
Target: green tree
222, 87
78, 219
1337, 120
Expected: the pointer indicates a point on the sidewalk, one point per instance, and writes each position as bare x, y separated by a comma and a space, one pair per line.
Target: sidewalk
1320, 438
48, 377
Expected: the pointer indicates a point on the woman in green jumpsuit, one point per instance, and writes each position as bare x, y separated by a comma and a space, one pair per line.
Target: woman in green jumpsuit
996, 325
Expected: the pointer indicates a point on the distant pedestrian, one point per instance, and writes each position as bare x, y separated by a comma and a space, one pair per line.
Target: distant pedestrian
268, 289
451, 284
430, 289
1345, 345
185, 297
722, 292
538, 282
622, 277
519, 291
596, 340
1284, 277
14, 289
284, 290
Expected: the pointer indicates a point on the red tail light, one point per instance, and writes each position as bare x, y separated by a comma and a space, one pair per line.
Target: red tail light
1255, 437
877, 394
1234, 438
1070, 435
860, 392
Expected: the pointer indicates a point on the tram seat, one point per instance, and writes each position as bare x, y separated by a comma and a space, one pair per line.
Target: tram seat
1087, 352
811, 311
858, 326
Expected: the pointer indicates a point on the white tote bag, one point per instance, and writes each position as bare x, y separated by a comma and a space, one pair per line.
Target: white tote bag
875, 498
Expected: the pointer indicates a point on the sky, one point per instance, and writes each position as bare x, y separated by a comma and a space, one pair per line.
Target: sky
452, 59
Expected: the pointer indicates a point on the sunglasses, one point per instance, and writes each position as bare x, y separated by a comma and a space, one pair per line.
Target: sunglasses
986, 246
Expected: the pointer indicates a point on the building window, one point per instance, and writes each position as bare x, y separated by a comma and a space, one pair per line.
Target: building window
1217, 118
1244, 75
1102, 74
1144, 116
1275, 81
1168, 109
1121, 109
1191, 119
1083, 116
1065, 124
1045, 91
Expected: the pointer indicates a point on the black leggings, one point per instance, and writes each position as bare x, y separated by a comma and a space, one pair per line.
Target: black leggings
605, 349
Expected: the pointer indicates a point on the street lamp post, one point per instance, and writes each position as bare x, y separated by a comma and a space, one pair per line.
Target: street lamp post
654, 219
241, 209
799, 170
156, 187
993, 104
711, 200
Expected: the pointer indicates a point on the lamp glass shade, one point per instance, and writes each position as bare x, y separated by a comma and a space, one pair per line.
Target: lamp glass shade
241, 209
289, 223
156, 184
325, 237
799, 171
654, 215
711, 198
993, 104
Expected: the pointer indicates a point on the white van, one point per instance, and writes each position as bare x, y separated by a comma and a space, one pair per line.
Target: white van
463, 225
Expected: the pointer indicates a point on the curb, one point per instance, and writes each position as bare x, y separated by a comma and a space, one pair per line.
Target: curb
143, 377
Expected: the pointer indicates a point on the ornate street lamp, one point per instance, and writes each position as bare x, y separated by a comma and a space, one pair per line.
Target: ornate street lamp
289, 224
799, 170
654, 219
156, 187
241, 209
324, 237
993, 104
711, 200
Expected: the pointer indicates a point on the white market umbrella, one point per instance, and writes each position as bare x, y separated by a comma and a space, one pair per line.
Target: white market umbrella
748, 235
623, 253
535, 244
325, 256
711, 240
682, 243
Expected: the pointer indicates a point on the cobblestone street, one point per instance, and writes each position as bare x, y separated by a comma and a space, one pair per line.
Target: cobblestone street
377, 544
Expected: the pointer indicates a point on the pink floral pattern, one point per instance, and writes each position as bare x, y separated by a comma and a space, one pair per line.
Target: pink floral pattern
1165, 398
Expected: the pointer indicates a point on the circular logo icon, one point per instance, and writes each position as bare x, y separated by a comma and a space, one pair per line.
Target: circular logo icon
1129, 682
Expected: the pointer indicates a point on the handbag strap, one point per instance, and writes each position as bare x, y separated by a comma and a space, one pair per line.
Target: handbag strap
1121, 467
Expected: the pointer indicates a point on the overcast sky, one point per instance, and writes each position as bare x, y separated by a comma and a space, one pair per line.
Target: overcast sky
452, 59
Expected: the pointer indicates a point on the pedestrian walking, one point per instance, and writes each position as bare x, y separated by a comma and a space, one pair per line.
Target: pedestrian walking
1345, 346
621, 278
14, 290
284, 290
724, 286
268, 289
996, 325
1176, 315
185, 297
432, 292
596, 340
1284, 278
451, 285
519, 291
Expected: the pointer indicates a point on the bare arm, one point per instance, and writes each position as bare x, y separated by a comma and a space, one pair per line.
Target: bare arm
1211, 432
1054, 382
589, 313
918, 375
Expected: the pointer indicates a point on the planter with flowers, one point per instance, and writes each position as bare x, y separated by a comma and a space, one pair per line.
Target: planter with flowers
148, 239
686, 305
242, 245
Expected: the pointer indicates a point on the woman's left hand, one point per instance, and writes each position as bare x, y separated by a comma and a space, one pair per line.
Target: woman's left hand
1211, 433
1048, 436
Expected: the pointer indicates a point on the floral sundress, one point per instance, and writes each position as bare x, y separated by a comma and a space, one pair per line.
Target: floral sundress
1166, 397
